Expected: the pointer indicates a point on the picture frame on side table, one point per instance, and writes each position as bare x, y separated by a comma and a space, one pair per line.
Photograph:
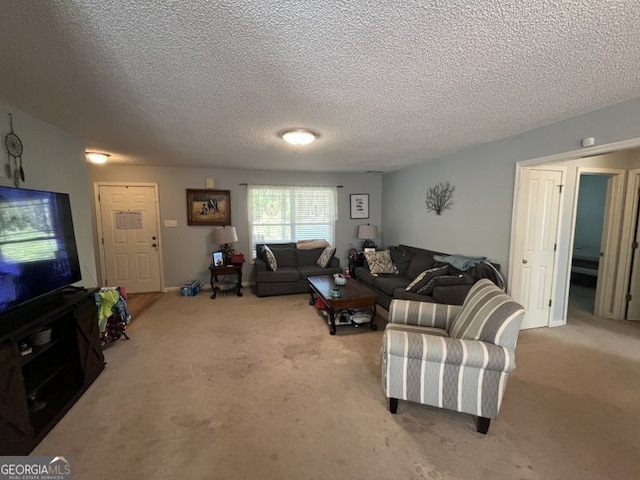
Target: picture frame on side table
208, 207
218, 261
359, 205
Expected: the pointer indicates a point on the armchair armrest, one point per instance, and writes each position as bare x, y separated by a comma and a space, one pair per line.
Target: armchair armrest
423, 314
450, 351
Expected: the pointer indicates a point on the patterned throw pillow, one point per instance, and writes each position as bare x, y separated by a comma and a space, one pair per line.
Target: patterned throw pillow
270, 258
325, 257
422, 279
440, 282
380, 262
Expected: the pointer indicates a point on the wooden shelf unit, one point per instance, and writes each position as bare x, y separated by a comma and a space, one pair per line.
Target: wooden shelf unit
37, 389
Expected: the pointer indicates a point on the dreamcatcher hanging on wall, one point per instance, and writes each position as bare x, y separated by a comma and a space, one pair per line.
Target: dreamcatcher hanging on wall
14, 147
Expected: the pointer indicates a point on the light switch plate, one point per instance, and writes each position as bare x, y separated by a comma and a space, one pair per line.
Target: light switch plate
171, 223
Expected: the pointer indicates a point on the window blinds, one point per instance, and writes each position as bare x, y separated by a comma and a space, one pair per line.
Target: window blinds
291, 213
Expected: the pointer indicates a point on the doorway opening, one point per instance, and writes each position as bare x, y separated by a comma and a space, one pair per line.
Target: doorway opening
610, 258
587, 240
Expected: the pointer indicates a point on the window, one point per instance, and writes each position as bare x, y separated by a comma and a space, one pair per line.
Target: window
288, 214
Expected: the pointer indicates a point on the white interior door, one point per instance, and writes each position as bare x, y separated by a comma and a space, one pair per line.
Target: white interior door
609, 287
535, 244
633, 297
130, 243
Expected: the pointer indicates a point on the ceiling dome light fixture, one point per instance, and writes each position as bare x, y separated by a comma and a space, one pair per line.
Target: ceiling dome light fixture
97, 157
298, 136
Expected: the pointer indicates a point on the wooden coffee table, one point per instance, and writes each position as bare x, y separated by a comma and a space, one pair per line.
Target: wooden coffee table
352, 295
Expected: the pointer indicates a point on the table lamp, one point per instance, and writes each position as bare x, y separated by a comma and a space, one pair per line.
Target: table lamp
367, 233
223, 237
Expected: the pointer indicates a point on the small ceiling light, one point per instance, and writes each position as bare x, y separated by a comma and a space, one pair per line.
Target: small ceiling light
298, 136
96, 157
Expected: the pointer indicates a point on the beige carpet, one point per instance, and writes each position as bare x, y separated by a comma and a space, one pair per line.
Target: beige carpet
256, 388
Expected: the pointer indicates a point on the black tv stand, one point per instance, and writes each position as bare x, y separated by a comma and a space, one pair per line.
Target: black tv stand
50, 353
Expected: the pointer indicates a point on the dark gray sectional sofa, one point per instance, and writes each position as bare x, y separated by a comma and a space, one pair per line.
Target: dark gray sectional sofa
294, 267
410, 262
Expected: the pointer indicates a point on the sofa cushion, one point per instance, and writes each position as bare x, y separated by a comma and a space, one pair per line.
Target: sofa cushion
285, 257
401, 258
402, 294
308, 257
307, 271
269, 258
365, 276
420, 263
451, 295
325, 257
282, 275
490, 315
380, 262
441, 281
388, 283
425, 277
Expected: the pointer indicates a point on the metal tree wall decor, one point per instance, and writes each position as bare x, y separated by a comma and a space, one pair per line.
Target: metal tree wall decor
440, 197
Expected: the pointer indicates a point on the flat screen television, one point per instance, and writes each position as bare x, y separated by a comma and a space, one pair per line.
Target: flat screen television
38, 252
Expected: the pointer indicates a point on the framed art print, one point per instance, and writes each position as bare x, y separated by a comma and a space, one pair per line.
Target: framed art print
359, 205
208, 207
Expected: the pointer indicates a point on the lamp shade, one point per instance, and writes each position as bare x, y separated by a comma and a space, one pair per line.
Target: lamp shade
225, 235
367, 232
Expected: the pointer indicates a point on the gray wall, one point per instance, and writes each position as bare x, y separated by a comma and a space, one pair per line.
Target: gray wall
186, 250
480, 221
54, 160
590, 212
478, 224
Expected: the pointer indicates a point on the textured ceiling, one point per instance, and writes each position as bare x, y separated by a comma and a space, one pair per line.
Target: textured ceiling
387, 84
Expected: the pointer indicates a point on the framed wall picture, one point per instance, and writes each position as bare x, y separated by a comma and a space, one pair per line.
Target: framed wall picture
359, 205
208, 207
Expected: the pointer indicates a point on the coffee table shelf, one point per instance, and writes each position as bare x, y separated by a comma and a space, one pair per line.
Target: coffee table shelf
353, 295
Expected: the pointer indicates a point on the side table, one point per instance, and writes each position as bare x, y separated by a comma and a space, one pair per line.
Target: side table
356, 261
222, 271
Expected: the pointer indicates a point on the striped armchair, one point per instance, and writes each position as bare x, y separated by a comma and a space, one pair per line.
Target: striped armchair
451, 356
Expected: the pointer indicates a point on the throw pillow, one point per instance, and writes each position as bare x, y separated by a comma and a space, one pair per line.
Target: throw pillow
423, 278
440, 282
325, 257
270, 258
311, 244
380, 262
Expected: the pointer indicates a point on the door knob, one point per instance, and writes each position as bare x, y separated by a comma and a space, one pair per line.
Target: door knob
524, 260
154, 245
